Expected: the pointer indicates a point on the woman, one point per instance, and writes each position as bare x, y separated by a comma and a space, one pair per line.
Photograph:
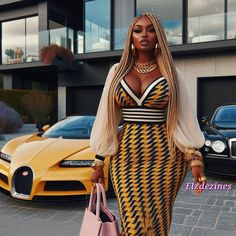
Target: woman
160, 136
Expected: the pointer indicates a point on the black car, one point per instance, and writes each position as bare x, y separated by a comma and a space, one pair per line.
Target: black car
219, 150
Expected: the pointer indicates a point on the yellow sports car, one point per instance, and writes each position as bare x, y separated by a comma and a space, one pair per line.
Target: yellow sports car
53, 163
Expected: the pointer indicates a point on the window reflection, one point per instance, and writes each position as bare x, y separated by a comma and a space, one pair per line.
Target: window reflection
20, 40
80, 41
59, 33
206, 20
170, 14
231, 34
97, 25
32, 43
13, 41
121, 21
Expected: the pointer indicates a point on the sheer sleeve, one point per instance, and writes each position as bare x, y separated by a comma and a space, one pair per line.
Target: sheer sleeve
103, 139
187, 135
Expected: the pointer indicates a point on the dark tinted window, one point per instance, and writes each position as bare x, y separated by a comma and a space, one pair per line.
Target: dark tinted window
225, 117
74, 127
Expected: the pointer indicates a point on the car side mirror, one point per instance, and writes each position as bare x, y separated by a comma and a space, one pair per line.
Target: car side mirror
205, 120
45, 127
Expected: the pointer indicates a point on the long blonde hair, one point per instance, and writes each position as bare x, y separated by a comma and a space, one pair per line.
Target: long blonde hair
166, 65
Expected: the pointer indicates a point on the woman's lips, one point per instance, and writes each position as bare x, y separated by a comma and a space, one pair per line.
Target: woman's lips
144, 42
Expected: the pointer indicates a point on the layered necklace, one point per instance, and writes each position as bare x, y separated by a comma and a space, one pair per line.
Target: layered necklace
144, 68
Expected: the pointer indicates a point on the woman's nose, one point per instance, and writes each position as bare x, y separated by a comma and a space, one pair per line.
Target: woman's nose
144, 33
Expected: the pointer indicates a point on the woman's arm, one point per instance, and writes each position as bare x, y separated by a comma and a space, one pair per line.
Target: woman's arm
188, 135
103, 139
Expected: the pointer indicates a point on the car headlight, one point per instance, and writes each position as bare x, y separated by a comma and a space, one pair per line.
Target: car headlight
76, 163
218, 146
5, 157
208, 143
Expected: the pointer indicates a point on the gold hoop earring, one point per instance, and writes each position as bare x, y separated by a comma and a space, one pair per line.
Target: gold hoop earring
157, 49
133, 50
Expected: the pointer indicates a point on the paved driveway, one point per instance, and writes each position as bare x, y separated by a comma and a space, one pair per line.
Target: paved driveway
213, 213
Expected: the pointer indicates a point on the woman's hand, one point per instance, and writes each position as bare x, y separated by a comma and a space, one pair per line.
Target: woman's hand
97, 175
198, 173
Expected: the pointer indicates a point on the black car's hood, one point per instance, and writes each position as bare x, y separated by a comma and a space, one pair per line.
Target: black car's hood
223, 133
228, 133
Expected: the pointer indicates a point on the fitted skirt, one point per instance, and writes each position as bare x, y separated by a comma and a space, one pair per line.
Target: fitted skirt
146, 174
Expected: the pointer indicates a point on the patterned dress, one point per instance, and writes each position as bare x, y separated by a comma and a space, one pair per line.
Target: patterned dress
145, 176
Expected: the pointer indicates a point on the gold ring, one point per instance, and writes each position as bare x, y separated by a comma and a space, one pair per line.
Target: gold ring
203, 178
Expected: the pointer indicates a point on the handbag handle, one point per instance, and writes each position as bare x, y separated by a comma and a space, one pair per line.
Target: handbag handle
104, 199
100, 190
92, 200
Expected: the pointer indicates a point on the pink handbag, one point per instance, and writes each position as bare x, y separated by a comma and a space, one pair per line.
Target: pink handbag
98, 219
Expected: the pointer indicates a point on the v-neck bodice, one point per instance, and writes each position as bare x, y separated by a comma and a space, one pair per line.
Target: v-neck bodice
139, 100
155, 95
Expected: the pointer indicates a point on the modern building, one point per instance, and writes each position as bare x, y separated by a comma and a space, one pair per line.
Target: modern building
201, 36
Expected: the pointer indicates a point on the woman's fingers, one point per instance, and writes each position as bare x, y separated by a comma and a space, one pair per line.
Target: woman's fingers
95, 177
199, 178
97, 174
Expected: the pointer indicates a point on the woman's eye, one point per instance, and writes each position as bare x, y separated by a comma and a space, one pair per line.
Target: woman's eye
151, 30
137, 30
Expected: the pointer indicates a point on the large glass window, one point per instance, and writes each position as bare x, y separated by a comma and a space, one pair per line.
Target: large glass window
13, 41
20, 40
58, 32
206, 20
123, 15
231, 26
97, 25
170, 14
32, 39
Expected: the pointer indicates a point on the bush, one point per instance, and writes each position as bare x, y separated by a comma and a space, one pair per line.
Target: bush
13, 98
10, 120
39, 106
49, 53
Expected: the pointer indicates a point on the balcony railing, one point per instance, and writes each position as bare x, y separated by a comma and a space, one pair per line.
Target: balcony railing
29, 51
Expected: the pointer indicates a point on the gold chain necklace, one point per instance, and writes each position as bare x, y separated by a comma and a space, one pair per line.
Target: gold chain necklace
145, 68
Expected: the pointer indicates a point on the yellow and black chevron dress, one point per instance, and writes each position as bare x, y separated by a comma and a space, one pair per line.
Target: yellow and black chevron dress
145, 176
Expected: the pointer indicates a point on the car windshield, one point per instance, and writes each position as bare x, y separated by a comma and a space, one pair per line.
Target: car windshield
74, 127
225, 117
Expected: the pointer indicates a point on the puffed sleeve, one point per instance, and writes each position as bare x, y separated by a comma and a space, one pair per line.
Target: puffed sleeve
103, 139
188, 134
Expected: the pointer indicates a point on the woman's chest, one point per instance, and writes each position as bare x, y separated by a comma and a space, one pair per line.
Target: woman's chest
154, 94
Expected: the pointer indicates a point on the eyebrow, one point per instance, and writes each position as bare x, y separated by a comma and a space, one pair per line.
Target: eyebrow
147, 25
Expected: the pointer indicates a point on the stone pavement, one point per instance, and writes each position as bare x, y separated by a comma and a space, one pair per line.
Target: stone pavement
213, 213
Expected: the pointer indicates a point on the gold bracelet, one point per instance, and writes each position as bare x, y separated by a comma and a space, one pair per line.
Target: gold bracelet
192, 154
97, 162
195, 163
194, 158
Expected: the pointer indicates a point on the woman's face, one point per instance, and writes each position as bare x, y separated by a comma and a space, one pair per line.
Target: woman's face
144, 35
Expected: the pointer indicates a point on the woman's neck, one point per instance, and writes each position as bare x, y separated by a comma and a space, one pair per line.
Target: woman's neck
144, 57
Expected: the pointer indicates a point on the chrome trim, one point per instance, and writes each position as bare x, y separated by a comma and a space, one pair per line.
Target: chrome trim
20, 195
218, 155
13, 190
230, 147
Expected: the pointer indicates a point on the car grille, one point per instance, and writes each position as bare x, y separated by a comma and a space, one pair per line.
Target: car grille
63, 186
4, 178
233, 148
23, 180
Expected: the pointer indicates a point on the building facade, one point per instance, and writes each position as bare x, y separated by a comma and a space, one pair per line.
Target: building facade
201, 35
